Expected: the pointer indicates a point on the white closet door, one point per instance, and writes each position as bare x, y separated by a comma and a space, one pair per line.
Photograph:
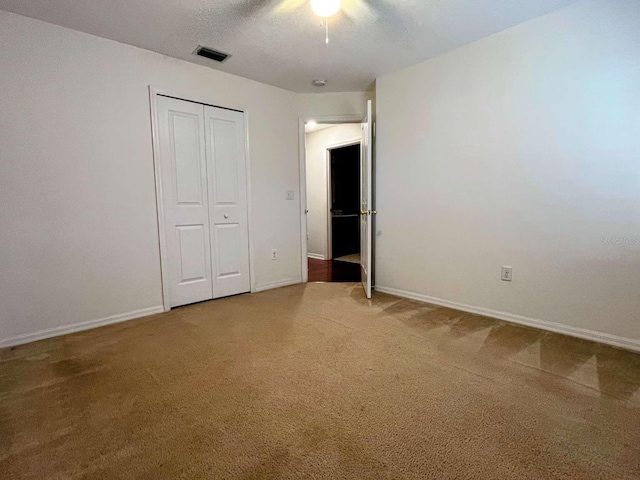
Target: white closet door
185, 200
228, 201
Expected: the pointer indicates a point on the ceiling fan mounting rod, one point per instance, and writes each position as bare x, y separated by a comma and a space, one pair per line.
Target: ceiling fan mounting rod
325, 9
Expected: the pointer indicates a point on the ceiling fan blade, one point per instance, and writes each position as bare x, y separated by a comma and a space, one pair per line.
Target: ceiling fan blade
286, 6
359, 12
250, 8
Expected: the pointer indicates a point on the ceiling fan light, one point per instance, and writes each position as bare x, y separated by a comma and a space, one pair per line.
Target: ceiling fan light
325, 8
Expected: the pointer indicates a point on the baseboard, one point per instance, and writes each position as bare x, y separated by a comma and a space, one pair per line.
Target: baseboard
316, 256
614, 340
278, 284
78, 327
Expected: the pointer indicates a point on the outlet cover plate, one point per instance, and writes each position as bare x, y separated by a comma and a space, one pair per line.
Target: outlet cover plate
506, 274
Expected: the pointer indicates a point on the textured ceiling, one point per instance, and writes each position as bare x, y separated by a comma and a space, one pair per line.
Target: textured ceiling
281, 42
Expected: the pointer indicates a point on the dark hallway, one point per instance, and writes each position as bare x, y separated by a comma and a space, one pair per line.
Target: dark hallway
345, 201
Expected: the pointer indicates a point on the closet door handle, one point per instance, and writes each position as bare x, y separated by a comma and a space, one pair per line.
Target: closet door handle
226, 215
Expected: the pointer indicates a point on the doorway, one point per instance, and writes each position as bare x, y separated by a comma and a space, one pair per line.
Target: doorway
364, 133
333, 201
344, 201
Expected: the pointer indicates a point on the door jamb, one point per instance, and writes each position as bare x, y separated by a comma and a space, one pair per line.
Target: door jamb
302, 155
328, 148
153, 102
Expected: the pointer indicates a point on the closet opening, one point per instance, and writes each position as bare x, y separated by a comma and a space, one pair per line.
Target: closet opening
201, 167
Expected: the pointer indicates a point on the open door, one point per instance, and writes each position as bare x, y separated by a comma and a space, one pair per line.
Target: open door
366, 162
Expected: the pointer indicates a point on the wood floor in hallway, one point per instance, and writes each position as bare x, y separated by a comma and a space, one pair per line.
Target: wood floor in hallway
333, 271
316, 381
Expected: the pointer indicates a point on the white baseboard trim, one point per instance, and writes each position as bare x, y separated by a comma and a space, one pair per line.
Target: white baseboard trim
614, 340
316, 256
278, 284
78, 327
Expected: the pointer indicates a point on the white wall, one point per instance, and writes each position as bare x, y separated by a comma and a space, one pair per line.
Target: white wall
521, 149
317, 194
78, 236
331, 104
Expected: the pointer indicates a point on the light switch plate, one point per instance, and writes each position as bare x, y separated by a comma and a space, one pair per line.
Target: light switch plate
291, 195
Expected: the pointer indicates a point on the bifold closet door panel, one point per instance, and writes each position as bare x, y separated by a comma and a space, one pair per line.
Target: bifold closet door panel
185, 200
225, 145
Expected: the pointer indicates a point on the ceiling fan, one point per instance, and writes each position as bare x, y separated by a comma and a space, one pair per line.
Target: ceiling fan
357, 11
326, 9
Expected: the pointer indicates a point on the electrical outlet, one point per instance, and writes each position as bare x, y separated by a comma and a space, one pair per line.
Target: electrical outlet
507, 274
274, 254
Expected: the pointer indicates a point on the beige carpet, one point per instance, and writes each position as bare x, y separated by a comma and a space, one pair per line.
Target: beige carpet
316, 382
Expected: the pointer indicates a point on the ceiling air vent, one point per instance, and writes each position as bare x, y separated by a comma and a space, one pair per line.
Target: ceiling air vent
211, 54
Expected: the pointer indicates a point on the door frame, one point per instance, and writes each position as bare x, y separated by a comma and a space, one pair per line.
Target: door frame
155, 141
302, 155
328, 148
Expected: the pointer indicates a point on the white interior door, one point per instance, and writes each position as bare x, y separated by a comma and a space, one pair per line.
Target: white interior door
227, 201
366, 156
185, 200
